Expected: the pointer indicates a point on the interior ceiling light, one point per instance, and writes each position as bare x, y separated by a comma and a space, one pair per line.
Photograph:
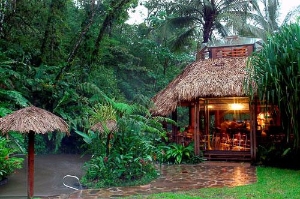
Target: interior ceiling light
236, 106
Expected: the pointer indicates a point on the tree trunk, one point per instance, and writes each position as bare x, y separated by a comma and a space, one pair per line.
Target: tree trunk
113, 14
83, 32
209, 15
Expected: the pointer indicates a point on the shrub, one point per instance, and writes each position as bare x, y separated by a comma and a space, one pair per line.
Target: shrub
278, 155
8, 164
127, 156
118, 170
179, 153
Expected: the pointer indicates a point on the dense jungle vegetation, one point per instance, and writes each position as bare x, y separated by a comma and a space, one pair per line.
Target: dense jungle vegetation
83, 62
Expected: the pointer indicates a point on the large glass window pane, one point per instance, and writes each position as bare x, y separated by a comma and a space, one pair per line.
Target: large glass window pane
228, 121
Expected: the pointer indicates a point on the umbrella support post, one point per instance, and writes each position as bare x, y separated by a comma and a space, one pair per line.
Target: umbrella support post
30, 179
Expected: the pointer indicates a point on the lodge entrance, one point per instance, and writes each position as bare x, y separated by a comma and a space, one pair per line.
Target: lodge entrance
225, 124
219, 127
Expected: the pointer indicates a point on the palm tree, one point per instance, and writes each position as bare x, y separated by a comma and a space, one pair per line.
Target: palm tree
262, 19
205, 16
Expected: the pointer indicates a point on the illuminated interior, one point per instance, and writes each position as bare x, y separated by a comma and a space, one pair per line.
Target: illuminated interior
228, 124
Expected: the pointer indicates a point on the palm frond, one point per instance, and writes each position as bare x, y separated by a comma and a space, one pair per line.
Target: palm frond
273, 13
182, 22
293, 13
183, 39
236, 5
258, 32
188, 9
223, 31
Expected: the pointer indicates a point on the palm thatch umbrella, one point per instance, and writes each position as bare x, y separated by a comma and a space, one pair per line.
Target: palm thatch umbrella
109, 125
32, 120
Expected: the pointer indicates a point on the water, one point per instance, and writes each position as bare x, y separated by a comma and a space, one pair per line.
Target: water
50, 171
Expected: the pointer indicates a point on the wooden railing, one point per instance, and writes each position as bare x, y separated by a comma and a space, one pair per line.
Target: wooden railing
223, 52
232, 52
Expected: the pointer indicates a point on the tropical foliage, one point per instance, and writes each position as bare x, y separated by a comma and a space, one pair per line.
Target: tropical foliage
81, 61
275, 71
125, 155
8, 163
178, 153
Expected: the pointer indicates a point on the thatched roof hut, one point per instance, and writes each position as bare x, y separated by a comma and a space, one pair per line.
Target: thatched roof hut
204, 78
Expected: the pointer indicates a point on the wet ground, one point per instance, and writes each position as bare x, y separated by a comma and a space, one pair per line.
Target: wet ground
48, 176
49, 183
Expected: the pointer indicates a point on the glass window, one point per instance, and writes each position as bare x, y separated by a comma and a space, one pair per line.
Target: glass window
226, 123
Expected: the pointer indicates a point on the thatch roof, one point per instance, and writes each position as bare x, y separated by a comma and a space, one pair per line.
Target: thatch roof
221, 77
110, 125
33, 119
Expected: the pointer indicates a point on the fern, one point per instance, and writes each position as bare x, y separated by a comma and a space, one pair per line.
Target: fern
123, 108
14, 96
103, 113
96, 95
69, 96
4, 111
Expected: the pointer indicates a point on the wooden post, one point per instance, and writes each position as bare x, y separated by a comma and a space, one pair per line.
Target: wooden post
253, 128
206, 123
192, 117
30, 175
196, 122
174, 127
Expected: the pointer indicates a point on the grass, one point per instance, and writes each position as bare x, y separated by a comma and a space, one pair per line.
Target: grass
272, 183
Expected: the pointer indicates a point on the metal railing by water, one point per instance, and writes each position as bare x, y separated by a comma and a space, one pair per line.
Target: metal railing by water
68, 186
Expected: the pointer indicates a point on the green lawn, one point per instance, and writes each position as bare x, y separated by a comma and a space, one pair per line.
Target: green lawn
273, 183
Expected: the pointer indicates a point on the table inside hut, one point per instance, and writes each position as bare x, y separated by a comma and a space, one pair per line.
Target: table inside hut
239, 137
184, 138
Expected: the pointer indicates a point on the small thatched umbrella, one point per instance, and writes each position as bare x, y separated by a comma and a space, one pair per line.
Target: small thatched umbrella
109, 125
32, 120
